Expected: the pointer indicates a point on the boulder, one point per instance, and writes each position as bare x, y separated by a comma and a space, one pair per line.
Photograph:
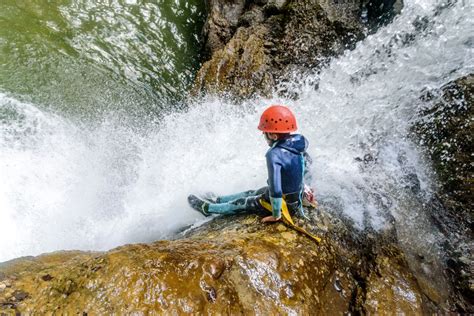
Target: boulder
231, 265
251, 46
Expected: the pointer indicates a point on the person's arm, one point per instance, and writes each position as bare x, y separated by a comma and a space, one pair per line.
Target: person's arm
274, 182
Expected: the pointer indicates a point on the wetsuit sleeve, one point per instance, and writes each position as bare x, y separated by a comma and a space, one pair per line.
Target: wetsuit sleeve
276, 206
274, 182
274, 176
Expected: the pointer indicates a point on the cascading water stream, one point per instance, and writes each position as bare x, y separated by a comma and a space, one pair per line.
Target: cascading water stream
78, 184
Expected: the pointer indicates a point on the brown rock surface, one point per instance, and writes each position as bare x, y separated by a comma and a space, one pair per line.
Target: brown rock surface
232, 265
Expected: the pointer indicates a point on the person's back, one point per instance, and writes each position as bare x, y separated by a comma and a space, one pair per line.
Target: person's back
285, 163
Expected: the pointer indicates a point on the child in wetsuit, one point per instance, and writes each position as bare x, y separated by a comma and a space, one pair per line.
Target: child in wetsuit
286, 161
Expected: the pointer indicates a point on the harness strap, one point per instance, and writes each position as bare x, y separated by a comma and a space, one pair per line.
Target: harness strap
287, 219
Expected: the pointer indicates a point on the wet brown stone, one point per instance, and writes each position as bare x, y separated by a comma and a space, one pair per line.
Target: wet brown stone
19, 295
391, 289
240, 68
233, 265
216, 268
46, 277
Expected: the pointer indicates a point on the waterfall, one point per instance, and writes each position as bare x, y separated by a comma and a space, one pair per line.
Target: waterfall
74, 183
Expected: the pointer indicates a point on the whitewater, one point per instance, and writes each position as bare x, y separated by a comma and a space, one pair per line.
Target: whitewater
95, 184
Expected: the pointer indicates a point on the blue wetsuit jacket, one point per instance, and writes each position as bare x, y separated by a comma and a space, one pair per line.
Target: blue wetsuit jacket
286, 168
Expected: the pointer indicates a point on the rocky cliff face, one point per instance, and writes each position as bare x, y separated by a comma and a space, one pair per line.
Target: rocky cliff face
445, 131
251, 46
232, 265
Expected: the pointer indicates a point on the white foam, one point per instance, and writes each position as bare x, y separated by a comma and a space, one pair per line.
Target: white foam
73, 185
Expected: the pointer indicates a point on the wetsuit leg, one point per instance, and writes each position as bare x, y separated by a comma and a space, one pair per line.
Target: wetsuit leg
296, 208
248, 203
236, 196
295, 204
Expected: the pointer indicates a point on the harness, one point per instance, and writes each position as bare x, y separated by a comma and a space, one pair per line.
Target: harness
288, 220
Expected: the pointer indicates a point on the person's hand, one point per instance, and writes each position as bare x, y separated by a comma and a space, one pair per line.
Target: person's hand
270, 219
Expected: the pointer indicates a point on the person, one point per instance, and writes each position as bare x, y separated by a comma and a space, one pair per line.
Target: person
287, 162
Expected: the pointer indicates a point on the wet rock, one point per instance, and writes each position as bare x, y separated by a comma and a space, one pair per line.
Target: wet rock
221, 23
241, 68
251, 46
274, 6
216, 268
46, 277
395, 293
19, 295
252, 17
232, 265
445, 131
5, 284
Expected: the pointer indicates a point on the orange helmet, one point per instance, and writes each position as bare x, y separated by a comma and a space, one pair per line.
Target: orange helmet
277, 119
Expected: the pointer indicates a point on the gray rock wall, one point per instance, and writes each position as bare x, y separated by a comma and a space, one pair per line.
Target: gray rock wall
445, 131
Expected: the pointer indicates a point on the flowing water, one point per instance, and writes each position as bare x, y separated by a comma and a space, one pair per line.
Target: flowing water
86, 58
97, 150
